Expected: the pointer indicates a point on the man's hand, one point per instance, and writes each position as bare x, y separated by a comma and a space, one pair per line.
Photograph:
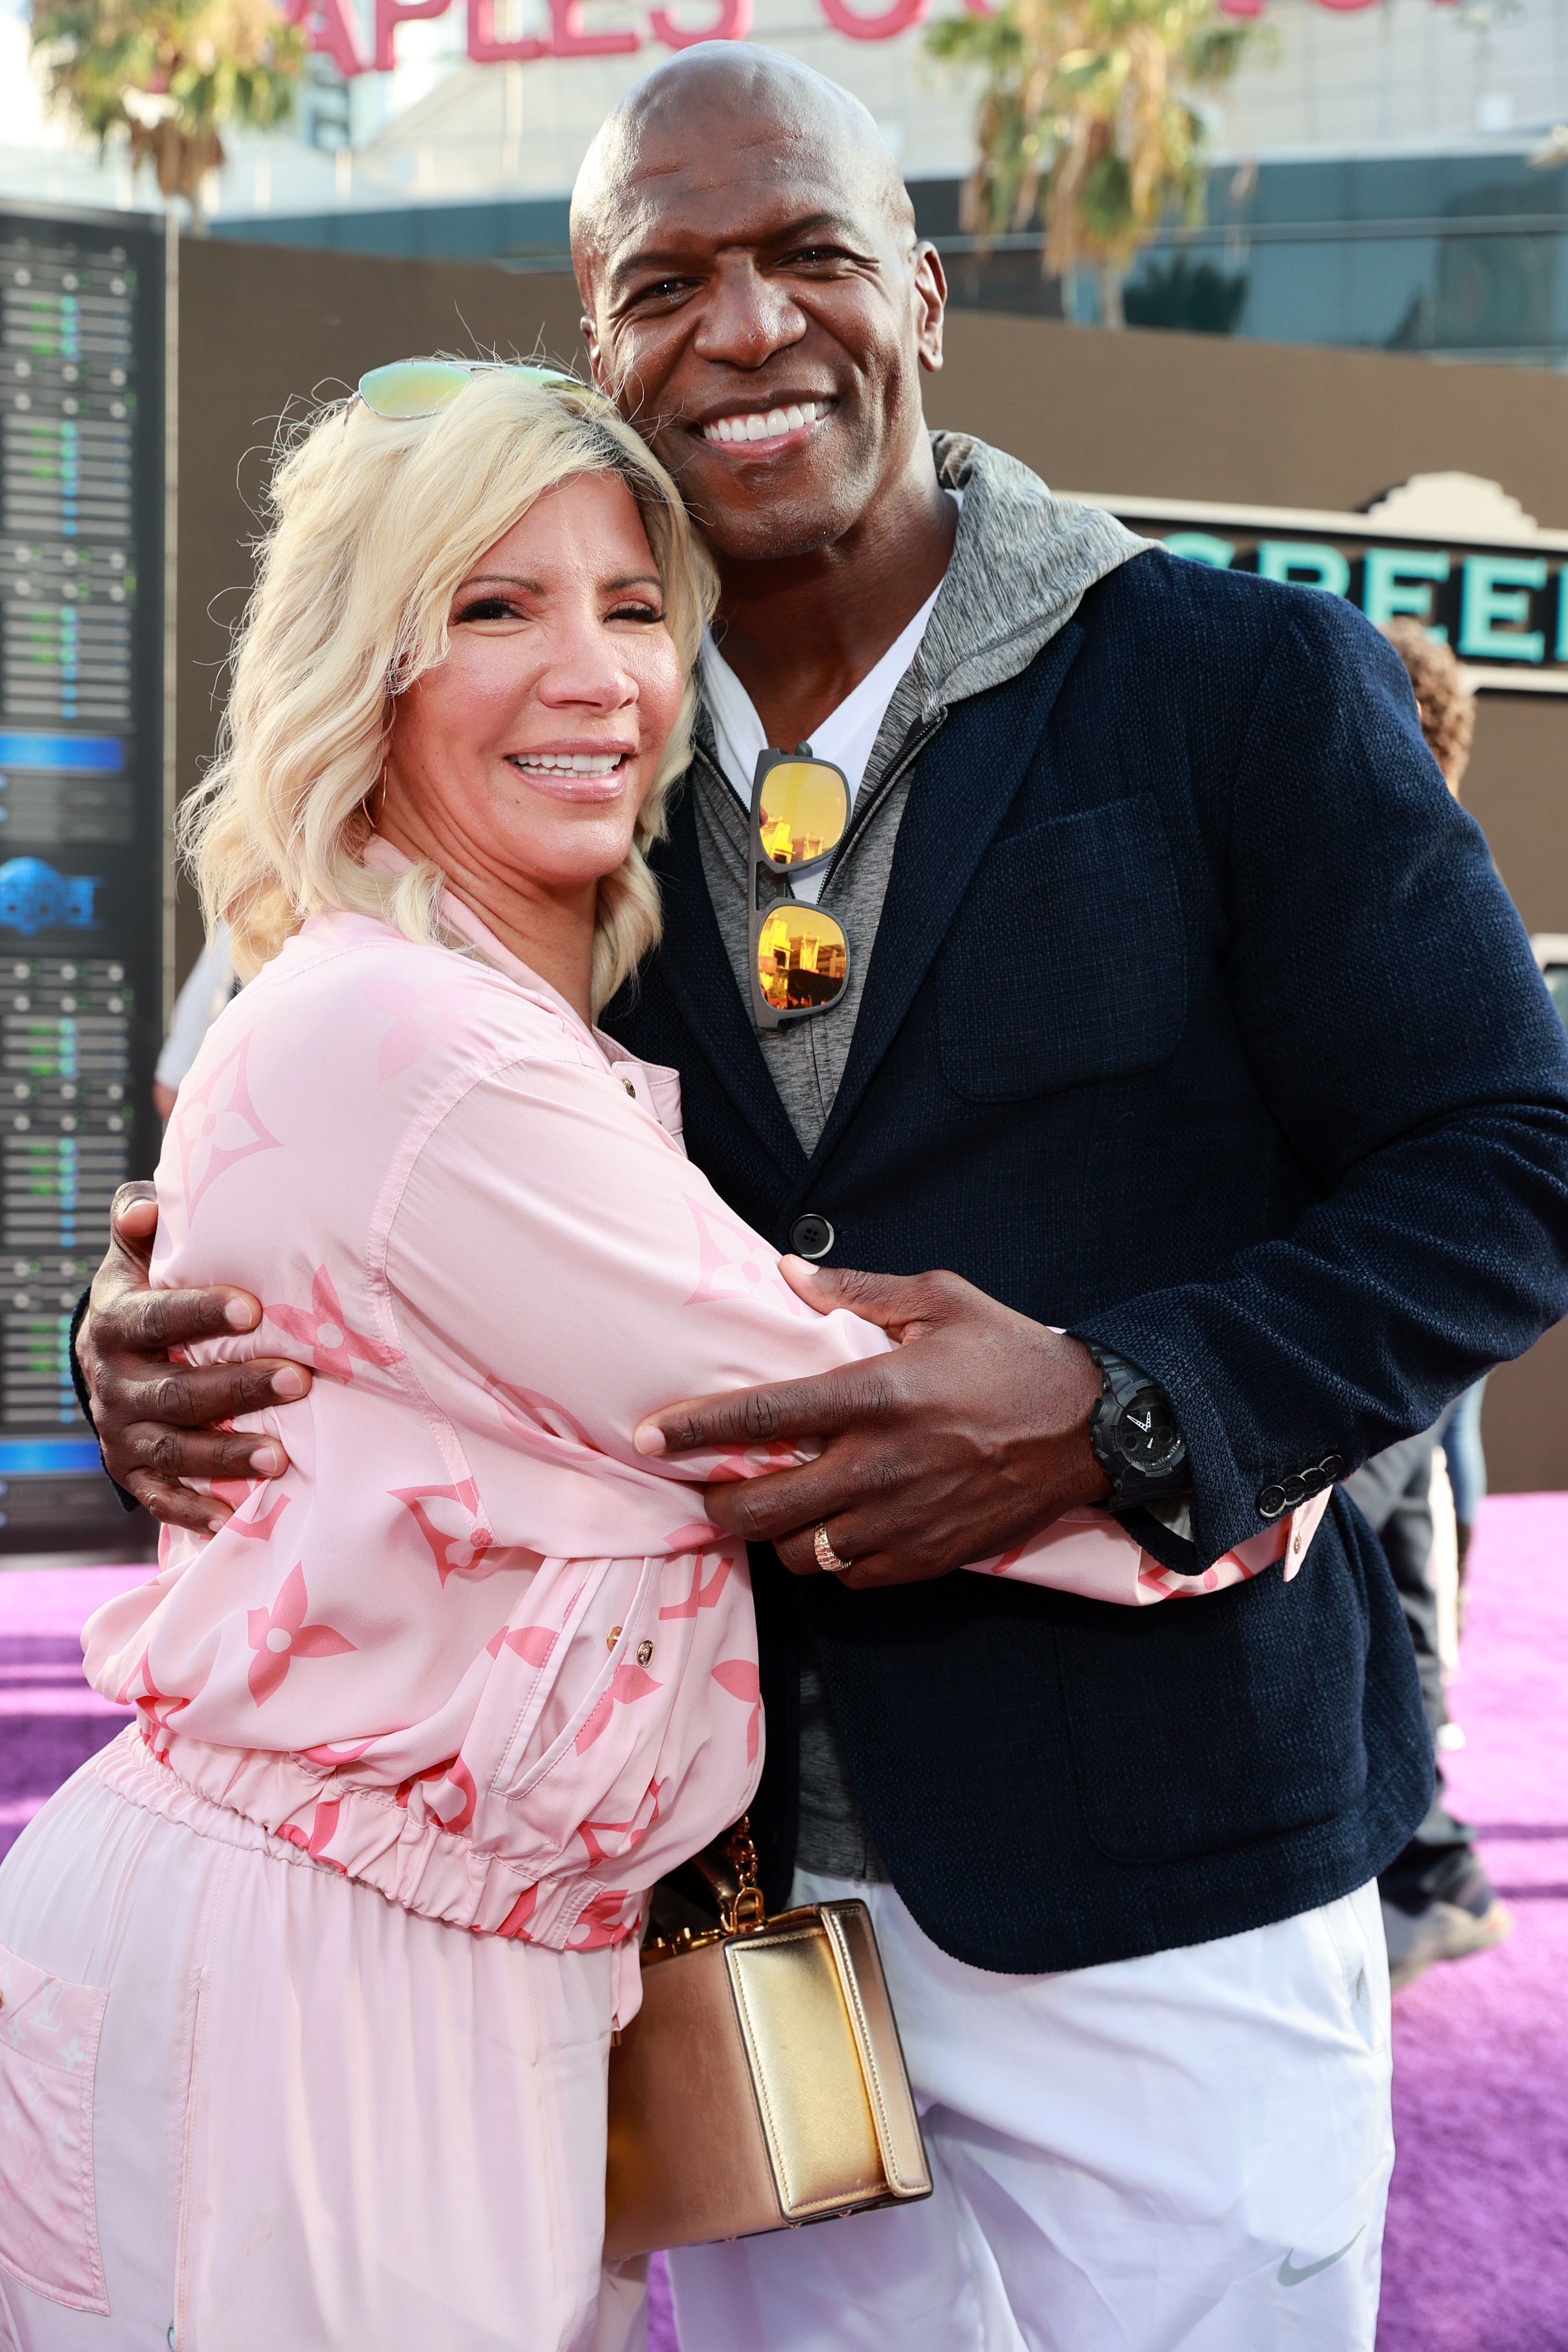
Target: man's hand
971, 1436
154, 1418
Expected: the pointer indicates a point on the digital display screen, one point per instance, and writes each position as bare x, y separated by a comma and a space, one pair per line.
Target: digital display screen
81, 816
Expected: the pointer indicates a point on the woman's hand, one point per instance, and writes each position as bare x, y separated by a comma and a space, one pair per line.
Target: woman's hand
154, 1416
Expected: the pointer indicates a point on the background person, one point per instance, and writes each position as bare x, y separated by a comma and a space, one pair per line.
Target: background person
1438, 1903
209, 984
1151, 886
1447, 702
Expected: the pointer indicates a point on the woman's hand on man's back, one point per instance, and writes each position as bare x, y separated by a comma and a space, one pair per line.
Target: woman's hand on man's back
156, 1417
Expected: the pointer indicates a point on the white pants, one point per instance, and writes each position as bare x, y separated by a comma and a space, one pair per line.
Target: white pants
246, 2105
1190, 2150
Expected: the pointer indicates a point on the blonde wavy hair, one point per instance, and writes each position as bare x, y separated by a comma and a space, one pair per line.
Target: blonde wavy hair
373, 527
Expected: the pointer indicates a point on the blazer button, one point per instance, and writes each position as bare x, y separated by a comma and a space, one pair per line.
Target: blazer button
1271, 1502
811, 1236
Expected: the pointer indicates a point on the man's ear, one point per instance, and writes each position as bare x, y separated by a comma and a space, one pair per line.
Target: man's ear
590, 334
931, 304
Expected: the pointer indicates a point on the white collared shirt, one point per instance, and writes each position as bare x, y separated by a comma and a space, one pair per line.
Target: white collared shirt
847, 737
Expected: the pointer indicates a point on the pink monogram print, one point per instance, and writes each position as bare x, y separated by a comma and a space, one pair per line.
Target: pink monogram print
739, 1676
447, 1518
703, 1595
279, 1634
732, 1263
323, 1328
325, 1753
323, 1827
534, 1645
452, 1804
215, 1125
417, 1018
515, 1924
244, 1496
600, 1921
638, 1828
626, 1686
405, 1788
154, 1707
525, 1412
999, 1562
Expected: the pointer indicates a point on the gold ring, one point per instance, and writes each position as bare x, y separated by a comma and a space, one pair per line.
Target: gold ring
826, 1558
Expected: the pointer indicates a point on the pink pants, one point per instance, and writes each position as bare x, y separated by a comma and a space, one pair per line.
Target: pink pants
246, 2105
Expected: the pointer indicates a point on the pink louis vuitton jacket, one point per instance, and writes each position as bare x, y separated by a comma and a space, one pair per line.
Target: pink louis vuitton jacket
471, 1648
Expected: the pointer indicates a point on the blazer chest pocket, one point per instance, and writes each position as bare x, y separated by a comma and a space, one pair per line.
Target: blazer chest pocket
1066, 960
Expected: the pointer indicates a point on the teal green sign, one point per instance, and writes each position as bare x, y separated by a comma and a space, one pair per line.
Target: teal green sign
1503, 609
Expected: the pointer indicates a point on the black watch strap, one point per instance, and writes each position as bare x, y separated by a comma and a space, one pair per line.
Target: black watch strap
1133, 1430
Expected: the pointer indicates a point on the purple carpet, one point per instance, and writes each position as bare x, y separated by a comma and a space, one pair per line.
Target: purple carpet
49, 1720
1477, 2256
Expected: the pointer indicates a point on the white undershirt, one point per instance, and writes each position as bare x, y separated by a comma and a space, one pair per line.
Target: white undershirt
847, 736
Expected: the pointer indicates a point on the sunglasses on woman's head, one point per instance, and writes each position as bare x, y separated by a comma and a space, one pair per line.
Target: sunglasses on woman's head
405, 389
799, 956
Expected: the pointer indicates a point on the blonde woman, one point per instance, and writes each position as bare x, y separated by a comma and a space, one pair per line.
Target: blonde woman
307, 1983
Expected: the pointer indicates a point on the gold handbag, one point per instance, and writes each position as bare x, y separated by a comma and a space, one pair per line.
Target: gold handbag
761, 2084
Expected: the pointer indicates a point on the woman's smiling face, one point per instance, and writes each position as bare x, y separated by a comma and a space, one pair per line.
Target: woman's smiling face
528, 752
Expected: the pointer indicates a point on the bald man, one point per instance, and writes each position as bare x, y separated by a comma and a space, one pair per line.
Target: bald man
1161, 1023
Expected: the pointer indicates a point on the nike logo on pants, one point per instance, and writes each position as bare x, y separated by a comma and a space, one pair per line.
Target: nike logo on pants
1290, 2276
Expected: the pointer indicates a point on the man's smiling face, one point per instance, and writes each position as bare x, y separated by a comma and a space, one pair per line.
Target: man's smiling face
759, 307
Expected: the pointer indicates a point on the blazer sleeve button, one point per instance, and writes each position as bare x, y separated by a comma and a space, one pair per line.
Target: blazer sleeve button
1271, 1502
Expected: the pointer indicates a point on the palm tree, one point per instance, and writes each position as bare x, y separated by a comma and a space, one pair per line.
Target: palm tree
1087, 114
168, 76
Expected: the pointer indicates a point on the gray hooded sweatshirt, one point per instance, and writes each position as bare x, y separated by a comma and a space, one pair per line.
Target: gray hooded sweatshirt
1022, 563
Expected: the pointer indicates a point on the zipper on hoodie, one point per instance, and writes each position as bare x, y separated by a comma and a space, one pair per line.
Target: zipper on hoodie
867, 803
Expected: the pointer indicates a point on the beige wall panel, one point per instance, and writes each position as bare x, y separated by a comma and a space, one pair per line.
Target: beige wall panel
1202, 416
1524, 1421
1517, 791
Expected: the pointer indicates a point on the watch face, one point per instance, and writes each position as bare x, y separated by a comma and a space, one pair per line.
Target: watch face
1145, 1434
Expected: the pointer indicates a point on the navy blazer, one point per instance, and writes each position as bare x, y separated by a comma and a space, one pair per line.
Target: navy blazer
1199, 1021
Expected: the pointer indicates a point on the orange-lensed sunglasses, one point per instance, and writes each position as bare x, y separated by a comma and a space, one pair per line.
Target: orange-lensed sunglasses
799, 956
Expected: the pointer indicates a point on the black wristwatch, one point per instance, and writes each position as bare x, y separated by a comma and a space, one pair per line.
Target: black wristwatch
1135, 1435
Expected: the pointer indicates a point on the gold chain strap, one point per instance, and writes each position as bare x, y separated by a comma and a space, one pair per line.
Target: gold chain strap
745, 1907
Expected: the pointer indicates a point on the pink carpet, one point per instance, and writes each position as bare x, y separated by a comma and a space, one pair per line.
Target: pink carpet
1477, 2256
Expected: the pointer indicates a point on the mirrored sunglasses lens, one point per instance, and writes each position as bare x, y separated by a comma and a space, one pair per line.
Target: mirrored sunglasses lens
803, 960
410, 388
802, 811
